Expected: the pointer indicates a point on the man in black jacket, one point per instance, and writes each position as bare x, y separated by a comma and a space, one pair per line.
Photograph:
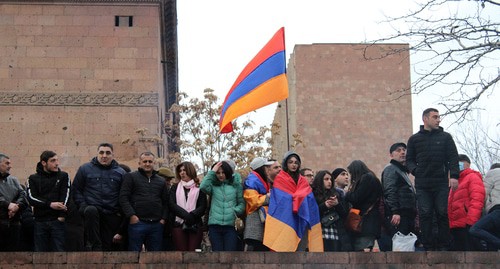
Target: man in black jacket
48, 192
399, 194
143, 198
96, 189
12, 202
432, 158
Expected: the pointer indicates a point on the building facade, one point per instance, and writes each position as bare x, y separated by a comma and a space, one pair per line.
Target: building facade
74, 74
346, 102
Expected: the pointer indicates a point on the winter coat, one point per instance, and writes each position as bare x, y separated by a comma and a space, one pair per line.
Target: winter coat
399, 193
44, 188
143, 196
257, 201
190, 218
226, 198
430, 156
98, 185
465, 204
492, 187
11, 192
367, 193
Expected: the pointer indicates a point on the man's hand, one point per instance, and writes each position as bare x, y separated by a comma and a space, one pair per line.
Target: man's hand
117, 238
13, 208
453, 184
134, 219
58, 206
396, 219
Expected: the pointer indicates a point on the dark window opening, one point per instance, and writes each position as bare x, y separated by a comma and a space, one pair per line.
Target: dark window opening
123, 21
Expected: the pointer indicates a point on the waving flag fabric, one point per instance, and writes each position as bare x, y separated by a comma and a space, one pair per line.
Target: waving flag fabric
262, 82
293, 211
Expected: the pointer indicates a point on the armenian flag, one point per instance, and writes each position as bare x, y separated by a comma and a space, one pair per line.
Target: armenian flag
262, 82
292, 212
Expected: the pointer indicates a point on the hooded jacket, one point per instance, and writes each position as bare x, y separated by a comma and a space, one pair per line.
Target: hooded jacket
465, 204
430, 156
226, 198
98, 185
44, 188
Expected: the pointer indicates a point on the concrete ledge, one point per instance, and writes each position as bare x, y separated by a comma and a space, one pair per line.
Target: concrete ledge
252, 260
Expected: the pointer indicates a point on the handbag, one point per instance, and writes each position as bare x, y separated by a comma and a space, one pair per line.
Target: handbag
401, 242
239, 224
354, 221
330, 218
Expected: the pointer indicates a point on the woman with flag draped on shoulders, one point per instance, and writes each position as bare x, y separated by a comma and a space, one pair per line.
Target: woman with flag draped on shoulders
293, 222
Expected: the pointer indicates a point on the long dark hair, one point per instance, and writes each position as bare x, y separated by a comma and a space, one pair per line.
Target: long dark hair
228, 171
318, 186
261, 171
295, 175
357, 169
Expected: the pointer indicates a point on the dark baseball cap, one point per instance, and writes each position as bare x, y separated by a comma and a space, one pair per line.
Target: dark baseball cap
395, 146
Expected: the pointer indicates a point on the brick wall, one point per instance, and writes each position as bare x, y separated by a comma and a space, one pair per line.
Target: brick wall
220, 260
347, 102
70, 79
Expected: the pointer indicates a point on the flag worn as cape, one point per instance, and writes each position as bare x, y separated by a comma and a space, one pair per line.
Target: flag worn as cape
262, 82
293, 211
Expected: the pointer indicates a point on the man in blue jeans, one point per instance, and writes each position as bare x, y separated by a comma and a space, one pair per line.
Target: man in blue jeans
48, 192
432, 158
488, 227
143, 198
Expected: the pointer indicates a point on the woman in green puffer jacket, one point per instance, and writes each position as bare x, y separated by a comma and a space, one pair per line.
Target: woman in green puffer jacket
226, 195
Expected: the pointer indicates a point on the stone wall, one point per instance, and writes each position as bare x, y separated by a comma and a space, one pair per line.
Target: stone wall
347, 102
70, 79
221, 260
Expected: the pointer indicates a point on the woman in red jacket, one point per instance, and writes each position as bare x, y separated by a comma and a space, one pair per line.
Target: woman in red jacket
465, 205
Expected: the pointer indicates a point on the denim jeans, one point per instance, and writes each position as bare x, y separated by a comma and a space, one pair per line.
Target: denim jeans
223, 237
148, 233
488, 229
434, 201
49, 235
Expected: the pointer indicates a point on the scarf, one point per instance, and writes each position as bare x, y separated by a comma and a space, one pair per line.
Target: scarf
192, 198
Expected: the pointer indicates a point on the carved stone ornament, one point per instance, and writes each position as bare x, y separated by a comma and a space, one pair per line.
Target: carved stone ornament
78, 99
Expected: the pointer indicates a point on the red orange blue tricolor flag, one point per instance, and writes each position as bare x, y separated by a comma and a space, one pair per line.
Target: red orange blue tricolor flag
262, 82
292, 213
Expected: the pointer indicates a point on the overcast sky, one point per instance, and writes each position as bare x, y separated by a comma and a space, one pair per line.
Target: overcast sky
218, 38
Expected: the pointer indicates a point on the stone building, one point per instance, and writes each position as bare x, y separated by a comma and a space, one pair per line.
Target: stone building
347, 102
77, 73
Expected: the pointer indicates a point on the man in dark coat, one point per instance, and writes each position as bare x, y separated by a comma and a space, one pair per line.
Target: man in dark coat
400, 205
432, 158
96, 190
48, 193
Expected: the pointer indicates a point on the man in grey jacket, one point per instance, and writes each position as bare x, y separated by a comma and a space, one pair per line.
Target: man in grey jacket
12, 202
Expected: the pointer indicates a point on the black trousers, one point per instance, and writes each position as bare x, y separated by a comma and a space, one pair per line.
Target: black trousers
99, 229
10, 236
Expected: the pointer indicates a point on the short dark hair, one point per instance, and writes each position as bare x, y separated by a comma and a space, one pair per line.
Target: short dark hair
46, 155
428, 111
125, 167
303, 170
493, 166
463, 158
106, 144
146, 153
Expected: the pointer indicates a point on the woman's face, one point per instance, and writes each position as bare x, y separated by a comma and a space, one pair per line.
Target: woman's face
220, 174
183, 174
293, 164
327, 180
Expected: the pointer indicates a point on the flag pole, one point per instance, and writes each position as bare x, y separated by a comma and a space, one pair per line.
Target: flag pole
287, 126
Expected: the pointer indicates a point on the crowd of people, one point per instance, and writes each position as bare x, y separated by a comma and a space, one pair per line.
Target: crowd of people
427, 189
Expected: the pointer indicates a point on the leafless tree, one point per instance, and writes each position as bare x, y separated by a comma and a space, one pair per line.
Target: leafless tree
476, 140
455, 55
200, 137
